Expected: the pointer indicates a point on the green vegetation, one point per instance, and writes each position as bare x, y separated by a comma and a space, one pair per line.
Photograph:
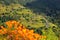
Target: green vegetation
40, 23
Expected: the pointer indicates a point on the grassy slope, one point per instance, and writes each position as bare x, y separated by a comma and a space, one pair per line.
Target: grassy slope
27, 18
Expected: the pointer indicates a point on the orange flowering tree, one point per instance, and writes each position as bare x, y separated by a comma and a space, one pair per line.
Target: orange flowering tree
16, 31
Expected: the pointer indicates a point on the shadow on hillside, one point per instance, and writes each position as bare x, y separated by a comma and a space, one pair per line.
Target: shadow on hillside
48, 7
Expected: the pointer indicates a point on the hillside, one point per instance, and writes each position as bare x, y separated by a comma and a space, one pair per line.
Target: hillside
50, 8
28, 18
43, 16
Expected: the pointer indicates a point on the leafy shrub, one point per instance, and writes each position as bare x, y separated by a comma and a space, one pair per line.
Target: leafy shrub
16, 31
